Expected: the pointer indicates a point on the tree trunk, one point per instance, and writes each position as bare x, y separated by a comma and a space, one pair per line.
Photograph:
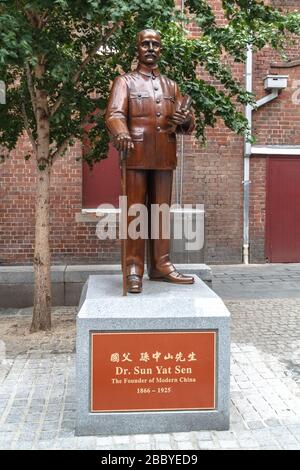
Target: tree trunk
41, 319
42, 268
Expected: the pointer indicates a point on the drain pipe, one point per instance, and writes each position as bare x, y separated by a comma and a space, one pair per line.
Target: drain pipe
247, 153
181, 156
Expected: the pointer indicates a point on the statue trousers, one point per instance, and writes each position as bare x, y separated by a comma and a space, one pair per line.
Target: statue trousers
149, 187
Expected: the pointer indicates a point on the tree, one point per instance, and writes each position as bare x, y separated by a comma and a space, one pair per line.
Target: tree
59, 57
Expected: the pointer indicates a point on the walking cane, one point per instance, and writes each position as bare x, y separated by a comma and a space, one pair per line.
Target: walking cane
123, 219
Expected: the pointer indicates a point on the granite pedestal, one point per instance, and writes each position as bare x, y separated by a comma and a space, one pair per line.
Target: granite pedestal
162, 308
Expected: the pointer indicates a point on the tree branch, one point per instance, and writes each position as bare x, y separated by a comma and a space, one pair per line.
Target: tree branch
27, 127
56, 105
86, 61
92, 54
61, 149
43, 19
31, 87
36, 20
66, 142
31, 18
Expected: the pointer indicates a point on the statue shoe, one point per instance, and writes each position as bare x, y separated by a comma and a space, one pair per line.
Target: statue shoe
175, 277
134, 284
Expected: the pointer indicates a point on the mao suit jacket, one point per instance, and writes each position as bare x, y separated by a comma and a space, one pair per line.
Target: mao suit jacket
141, 103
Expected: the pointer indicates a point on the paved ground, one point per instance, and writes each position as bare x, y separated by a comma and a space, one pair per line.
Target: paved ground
37, 373
257, 281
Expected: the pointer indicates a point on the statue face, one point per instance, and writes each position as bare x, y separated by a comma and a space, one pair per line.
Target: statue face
149, 48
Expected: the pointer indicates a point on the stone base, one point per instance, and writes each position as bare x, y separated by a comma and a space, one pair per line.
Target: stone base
67, 281
162, 307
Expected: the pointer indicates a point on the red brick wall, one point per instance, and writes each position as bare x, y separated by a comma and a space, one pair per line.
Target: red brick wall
257, 209
213, 176
71, 241
17, 179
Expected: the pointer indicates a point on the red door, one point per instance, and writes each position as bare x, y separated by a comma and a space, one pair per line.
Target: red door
283, 210
102, 184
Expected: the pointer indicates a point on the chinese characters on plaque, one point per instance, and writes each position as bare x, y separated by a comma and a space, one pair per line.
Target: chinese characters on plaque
139, 371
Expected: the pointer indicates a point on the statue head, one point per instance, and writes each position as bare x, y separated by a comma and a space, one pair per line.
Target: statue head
148, 47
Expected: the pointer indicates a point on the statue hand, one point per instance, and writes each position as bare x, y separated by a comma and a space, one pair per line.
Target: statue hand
124, 143
179, 117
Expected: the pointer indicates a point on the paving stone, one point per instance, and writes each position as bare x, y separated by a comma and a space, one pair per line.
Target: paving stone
47, 435
255, 424
68, 416
263, 437
272, 422
227, 444
162, 439
14, 417
67, 424
295, 430
123, 447
70, 406
203, 435
121, 439
142, 438
208, 445
6, 439
224, 435
7, 428
248, 444
19, 403
23, 445
181, 436
45, 445
66, 443
33, 418
53, 417
143, 446
27, 435
50, 426
65, 433
87, 442
185, 446
105, 441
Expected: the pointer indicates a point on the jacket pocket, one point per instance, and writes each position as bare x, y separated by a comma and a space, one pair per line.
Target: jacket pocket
139, 103
137, 136
169, 105
171, 98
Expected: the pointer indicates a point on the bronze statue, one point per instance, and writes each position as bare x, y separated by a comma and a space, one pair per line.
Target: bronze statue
144, 114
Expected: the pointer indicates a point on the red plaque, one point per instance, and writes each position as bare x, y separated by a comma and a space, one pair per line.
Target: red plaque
153, 371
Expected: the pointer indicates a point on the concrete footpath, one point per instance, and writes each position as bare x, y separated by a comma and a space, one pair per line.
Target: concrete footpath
37, 372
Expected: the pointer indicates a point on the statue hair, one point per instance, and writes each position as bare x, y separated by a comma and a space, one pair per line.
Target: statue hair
148, 30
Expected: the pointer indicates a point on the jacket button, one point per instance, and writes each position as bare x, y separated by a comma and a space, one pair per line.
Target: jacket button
158, 100
158, 128
158, 114
139, 95
156, 88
